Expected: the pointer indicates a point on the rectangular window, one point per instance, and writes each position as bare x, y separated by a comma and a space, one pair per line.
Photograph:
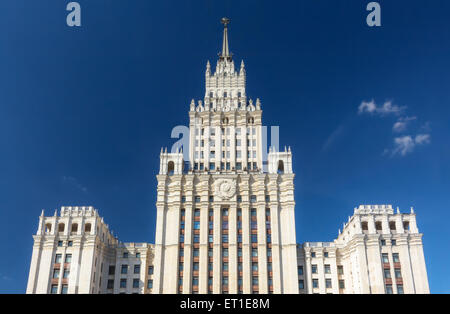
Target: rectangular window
64, 289
137, 269
328, 283
385, 258
395, 258
66, 273
70, 243
212, 166
238, 166
150, 270
54, 289
58, 258
252, 198
225, 266
135, 283
196, 252
125, 254
387, 273
123, 283
400, 289
150, 284
300, 270
393, 242
340, 270
383, 242
341, 284
138, 255
56, 273
112, 270
196, 225
68, 258
254, 252
195, 281
255, 281
314, 269
389, 289
225, 238
315, 283
254, 238
398, 273
301, 284
225, 252
124, 269
195, 266
327, 269
110, 284
197, 199
325, 254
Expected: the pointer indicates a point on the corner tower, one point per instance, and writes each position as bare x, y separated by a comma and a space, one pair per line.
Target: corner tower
224, 224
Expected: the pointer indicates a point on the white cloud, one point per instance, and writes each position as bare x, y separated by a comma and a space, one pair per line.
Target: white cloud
74, 182
406, 144
372, 108
367, 107
402, 123
422, 139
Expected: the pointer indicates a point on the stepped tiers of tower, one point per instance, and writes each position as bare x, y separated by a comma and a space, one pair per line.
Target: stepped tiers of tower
226, 222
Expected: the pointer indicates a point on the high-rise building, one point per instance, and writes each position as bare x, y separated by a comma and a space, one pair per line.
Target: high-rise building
226, 222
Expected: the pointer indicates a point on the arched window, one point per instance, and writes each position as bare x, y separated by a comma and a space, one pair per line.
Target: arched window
280, 169
48, 228
61, 227
74, 228
251, 120
170, 168
87, 227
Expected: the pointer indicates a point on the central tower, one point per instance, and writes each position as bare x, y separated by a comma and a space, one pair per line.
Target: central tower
226, 221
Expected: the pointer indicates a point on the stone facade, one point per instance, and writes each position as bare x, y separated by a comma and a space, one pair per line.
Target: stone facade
226, 222
376, 252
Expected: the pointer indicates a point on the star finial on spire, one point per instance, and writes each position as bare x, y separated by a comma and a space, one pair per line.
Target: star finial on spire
225, 48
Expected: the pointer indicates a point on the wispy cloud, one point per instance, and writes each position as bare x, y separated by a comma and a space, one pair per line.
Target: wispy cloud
402, 145
74, 182
402, 124
333, 137
406, 144
387, 108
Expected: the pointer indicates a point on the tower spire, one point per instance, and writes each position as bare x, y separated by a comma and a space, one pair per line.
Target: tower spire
225, 48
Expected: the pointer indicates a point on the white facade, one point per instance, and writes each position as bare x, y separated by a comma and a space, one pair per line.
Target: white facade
226, 222
376, 252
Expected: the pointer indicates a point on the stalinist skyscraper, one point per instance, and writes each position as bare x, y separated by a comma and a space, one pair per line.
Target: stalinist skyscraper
226, 222
224, 225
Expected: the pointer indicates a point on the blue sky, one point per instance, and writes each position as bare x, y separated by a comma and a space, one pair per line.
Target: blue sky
78, 122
